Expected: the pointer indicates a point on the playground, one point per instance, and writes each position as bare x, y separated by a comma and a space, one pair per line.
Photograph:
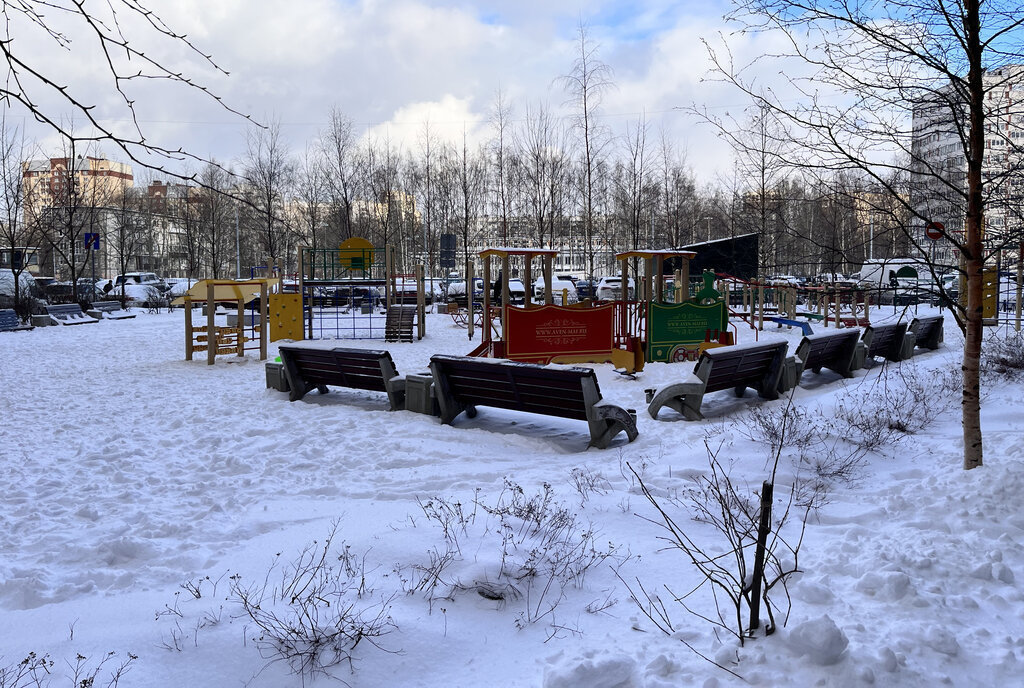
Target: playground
138, 476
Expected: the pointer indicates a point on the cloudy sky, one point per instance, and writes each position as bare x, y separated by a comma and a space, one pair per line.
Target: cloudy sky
394, 65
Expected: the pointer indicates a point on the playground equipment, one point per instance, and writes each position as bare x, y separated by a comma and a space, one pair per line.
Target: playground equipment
216, 340
346, 290
670, 324
758, 301
615, 331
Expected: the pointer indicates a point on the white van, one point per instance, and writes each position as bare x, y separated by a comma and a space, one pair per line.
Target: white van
881, 273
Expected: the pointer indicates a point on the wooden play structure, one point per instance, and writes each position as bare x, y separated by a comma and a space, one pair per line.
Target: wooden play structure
671, 325
756, 301
615, 331
354, 292
216, 339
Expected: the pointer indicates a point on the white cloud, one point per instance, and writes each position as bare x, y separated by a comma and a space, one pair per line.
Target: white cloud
392, 65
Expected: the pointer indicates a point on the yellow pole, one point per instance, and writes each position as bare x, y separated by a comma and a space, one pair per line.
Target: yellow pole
265, 317
188, 327
211, 329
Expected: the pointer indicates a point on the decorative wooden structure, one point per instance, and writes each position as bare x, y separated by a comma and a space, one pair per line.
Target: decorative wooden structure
217, 340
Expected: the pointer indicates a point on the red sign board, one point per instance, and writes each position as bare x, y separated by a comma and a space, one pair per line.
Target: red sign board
934, 230
538, 335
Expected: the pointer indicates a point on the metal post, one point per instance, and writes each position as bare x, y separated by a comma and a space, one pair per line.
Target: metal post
238, 248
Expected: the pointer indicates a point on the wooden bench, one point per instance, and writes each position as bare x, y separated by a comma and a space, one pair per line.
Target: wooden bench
927, 332
69, 314
759, 366
835, 351
889, 341
306, 368
109, 310
462, 383
9, 321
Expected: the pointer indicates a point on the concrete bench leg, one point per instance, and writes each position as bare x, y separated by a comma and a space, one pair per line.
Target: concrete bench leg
683, 397
607, 422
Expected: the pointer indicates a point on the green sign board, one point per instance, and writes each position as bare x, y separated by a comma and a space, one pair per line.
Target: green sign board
680, 331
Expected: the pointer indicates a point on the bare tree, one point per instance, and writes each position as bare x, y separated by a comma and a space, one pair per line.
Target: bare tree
123, 34
218, 220
587, 82
635, 192
470, 178
540, 143
342, 166
17, 232
311, 200
880, 59
388, 201
269, 171
128, 232
501, 113
79, 194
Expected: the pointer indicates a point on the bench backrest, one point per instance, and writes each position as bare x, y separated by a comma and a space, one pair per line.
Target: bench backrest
923, 328
9, 319
517, 386
884, 339
821, 350
733, 366
106, 306
63, 310
354, 368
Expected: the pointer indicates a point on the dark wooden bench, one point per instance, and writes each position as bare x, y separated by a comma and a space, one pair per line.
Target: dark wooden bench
889, 341
306, 368
110, 310
758, 366
69, 314
9, 321
927, 332
835, 351
462, 383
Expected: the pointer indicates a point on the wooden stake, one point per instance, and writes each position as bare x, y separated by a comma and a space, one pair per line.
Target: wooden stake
759, 553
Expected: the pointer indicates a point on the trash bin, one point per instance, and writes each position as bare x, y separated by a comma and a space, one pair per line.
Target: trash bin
275, 377
791, 370
419, 394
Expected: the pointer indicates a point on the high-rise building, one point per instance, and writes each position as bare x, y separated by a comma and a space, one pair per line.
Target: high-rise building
939, 166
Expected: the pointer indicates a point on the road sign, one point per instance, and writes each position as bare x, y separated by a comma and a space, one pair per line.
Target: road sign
447, 251
934, 230
92, 240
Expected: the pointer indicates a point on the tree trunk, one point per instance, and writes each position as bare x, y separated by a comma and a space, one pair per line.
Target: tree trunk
974, 260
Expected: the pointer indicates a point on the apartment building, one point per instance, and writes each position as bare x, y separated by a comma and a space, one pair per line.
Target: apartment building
52, 182
939, 171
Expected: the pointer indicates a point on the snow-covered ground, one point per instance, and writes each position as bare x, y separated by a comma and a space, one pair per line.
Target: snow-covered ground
146, 498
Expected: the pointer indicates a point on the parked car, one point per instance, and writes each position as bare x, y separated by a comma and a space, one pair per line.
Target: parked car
149, 278
517, 291
586, 288
610, 289
457, 291
29, 293
559, 285
139, 295
344, 296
